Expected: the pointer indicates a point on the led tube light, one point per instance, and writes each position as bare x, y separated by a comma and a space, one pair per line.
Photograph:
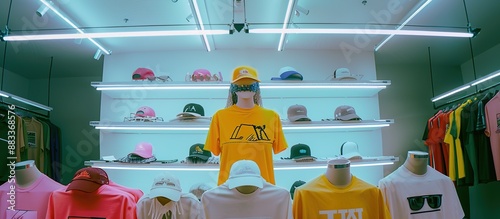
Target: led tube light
485, 78
468, 85
363, 31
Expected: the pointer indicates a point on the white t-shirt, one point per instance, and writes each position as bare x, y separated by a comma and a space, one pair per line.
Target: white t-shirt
432, 195
269, 202
188, 207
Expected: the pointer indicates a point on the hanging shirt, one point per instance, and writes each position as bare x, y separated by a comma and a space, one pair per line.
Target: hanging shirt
492, 114
250, 134
188, 207
268, 202
319, 198
428, 196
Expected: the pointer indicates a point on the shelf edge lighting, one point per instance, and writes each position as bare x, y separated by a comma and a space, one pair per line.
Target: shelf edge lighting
466, 86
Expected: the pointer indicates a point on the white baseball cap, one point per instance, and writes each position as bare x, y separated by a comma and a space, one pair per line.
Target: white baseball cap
244, 173
166, 185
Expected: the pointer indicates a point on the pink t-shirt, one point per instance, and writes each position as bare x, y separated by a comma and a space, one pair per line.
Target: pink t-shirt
107, 202
30, 202
492, 113
136, 193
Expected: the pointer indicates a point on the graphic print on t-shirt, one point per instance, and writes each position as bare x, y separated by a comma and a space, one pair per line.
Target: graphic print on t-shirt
31, 139
417, 203
255, 132
21, 214
498, 123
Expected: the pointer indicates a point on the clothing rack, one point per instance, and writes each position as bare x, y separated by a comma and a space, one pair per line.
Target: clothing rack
480, 91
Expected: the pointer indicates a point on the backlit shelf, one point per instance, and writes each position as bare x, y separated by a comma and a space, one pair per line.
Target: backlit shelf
278, 164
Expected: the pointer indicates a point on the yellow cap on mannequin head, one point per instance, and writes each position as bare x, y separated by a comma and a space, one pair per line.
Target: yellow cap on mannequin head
245, 75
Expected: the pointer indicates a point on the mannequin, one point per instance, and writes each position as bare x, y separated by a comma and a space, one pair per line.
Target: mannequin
26, 173
416, 162
338, 172
245, 99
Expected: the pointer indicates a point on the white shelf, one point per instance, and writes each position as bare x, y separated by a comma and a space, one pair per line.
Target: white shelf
219, 90
278, 164
161, 127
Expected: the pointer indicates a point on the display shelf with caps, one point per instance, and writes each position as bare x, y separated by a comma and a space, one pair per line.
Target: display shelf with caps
217, 89
288, 127
319, 163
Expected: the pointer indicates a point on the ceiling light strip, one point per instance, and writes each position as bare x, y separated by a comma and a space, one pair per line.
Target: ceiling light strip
466, 86
403, 24
51, 6
363, 31
26, 101
200, 22
285, 24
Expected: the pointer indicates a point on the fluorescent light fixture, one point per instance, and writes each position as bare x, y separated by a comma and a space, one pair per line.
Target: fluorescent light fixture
113, 35
42, 10
403, 24
485, 78
29, 102
51, 6
334, 126
98, 54
152, 128
3, 94
200, 22
285, 24
468, 85
451, 92
363, 31
154, 168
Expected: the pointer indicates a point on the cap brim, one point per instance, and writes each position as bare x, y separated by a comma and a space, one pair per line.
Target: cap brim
304, 157
198, 156
188, 114
83, 185
299, 117
142, 154
234, 182
241, 78
352, 156
289, 75
348, 117
171, 194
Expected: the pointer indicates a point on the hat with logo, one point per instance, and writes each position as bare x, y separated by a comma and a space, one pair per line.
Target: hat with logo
296, 184
349, 150
196, 151
288, 73
88, 179
166, 185
143, 74
192, 110
145, 111
297, 113
301, 152
201, 75
342, 74
143, 149
241, 73
346, 113
244, 173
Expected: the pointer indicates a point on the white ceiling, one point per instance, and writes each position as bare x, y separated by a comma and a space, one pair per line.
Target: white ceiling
27, 58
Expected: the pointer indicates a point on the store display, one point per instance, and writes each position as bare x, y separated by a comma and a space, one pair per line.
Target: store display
288, 73
197, 154
350, 150
143, 153
342, 195
143, 114
89, 195
297, 113
30, 195
346, 113
416, 190
246, 194
245, 126
166, 200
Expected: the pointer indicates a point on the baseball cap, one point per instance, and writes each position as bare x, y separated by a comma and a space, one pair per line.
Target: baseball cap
143, 149
349, 150
346, 113
244, 173
245, 72
88, 179
199, 188
288, 73
166, 185
196, 151
301, 152
297, 113
142, 74
145, 111
192, 110
201, 75
343, 74
296, 184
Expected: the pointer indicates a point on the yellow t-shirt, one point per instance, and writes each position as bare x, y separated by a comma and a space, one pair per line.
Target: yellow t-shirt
320, 199
246, 134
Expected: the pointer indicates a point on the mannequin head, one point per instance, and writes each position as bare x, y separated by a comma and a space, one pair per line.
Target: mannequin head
244, 87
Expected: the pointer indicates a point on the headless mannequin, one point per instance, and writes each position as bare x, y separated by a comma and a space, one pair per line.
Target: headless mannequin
338, 172
245, 98
26, 173
416, 162
163, 200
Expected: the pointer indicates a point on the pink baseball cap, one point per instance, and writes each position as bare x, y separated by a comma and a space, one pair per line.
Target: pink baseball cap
201, 75
144, 150
145, 111
142, 74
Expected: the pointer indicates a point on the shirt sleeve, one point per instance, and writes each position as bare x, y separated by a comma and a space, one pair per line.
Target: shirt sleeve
212, 142
279, 143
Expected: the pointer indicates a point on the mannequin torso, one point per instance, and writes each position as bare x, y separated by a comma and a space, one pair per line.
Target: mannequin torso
26, 173
416, 162
338, 172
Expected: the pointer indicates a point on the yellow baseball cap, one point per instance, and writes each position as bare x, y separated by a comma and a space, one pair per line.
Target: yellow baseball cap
242, 74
